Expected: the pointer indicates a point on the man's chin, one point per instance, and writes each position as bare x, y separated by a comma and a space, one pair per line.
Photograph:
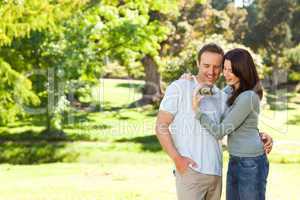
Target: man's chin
210, 82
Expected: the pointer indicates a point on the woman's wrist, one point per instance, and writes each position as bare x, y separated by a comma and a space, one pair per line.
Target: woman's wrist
198, 113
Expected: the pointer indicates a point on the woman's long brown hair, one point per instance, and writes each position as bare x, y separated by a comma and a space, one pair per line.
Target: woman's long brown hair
243, 67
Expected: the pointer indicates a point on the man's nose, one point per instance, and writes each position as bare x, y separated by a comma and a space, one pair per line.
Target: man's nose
211, 71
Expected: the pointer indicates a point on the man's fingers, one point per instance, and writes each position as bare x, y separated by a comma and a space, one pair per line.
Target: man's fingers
192, 163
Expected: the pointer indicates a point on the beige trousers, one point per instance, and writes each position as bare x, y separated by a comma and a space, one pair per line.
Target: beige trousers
193, 185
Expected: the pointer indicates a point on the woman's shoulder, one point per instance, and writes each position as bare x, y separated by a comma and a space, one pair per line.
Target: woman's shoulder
248, 96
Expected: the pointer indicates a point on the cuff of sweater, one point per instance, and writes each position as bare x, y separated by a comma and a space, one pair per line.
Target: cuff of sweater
199, 115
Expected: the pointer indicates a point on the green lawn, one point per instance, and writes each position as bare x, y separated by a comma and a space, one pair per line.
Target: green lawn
112, 153
132, 179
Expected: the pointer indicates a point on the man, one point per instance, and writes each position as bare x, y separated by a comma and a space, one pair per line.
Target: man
195, 153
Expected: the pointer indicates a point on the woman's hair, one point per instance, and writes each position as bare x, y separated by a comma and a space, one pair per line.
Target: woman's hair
243, 67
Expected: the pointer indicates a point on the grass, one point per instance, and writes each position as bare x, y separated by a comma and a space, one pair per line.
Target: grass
112, 153
123, 180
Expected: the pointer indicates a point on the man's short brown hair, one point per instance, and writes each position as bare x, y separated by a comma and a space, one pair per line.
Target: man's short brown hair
210, 47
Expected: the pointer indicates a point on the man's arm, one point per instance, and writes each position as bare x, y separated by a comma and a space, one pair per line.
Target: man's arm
164, 119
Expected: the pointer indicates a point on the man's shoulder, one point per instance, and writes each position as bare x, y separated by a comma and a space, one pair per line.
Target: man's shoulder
180, 84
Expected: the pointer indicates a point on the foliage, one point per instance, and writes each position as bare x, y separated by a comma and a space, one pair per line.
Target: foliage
292, 57
186, 61
127, 32
272, 36
74, 43
15, 90
26, 21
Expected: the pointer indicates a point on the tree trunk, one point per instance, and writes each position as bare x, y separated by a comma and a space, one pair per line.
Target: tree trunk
152, 92
274, 80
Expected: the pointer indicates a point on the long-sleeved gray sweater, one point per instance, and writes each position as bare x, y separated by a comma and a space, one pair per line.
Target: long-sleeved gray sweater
240, 124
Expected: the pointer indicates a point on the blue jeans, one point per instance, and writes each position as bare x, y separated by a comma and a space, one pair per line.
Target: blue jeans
247, 178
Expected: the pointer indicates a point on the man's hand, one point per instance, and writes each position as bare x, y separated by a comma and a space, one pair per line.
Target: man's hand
182, 163
267, 141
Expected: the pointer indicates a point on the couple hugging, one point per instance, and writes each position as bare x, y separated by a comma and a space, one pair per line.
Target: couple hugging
190, 126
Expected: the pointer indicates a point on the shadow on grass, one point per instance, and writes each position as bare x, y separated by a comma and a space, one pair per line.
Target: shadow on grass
33, 136
118, 115
279, 100
149, 143
35, 147
152, 113
35, 153
36, 120
82, 121
32, 147
138, 86
107, 106
294, 121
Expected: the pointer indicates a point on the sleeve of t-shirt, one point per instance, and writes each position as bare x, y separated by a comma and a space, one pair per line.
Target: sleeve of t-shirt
171, 99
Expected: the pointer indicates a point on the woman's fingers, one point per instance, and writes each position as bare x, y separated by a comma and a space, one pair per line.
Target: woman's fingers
195, 79
196, 90
196, 101
186, 76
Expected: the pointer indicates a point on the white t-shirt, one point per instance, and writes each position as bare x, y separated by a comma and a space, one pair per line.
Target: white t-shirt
190, 139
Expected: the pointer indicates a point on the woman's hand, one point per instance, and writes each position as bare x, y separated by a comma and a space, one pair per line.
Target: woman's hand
267, 141
196, 98
186, 76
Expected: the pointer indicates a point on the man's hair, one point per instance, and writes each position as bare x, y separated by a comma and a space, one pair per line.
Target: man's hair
210, 47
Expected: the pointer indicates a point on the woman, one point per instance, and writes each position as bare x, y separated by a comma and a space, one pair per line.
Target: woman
248, 165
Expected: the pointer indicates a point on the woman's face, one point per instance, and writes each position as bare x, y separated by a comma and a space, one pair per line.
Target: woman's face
230, 78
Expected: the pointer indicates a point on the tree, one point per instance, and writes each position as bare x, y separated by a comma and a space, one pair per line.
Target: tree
238, 25
220, 4
295, 24
272, 34
20, 20
131, 32
292, 57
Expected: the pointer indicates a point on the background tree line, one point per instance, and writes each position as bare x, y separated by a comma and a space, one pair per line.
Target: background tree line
52, 52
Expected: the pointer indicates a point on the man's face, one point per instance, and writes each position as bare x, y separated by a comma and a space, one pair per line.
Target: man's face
210, 67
